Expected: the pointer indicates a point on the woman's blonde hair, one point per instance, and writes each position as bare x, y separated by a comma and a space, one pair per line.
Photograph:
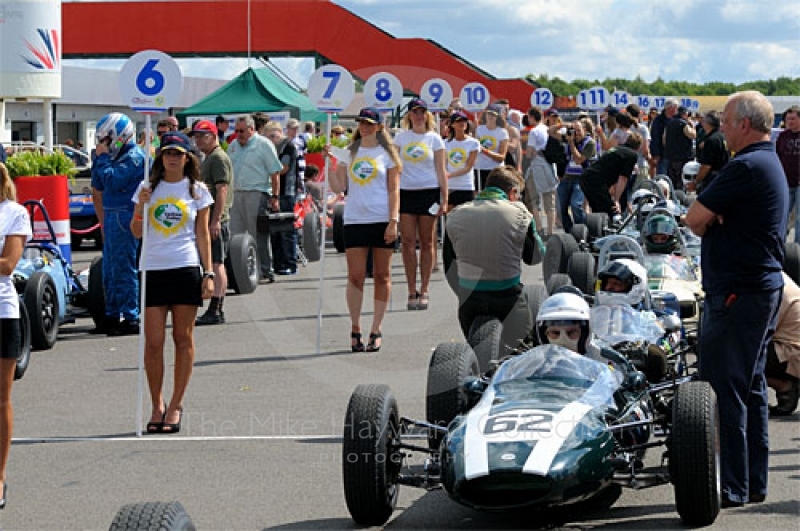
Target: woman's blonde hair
7, 188
430, 121
384, 140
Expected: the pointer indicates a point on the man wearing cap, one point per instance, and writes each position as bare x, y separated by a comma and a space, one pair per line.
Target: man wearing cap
257, 174
679, 134
661, 163
217, 173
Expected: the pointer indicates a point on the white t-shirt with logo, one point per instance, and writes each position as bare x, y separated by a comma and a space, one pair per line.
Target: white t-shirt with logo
14, 221
416, 152
458, 152
171, 217
489, 139
367, 191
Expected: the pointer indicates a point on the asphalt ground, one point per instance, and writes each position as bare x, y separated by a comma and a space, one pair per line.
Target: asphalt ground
260, 444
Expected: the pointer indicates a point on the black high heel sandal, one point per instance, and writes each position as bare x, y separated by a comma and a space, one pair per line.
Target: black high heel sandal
372, 346
5, 495
359, 345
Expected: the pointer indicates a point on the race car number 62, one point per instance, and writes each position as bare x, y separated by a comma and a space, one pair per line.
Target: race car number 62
530, 422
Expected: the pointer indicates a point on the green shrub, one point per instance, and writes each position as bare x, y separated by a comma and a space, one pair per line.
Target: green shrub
37, 162
316, 144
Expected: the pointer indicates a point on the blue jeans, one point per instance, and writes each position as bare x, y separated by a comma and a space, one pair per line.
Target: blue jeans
120, 279
662, 168
570, 196
794, 206
733, 358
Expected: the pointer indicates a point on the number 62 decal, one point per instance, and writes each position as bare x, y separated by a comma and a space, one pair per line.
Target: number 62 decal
519, 421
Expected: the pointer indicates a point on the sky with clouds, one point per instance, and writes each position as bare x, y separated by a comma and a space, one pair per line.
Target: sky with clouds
691, 40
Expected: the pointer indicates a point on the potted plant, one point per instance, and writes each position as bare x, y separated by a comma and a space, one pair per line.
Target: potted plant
38, 163
314, 149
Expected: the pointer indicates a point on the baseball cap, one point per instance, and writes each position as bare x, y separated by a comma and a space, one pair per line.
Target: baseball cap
551, 112
611, 111
493, 108
369, 115
458, 115
416, 103
175, 140
204, 126
682, 110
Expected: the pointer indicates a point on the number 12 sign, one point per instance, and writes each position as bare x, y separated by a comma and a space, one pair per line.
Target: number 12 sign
331, 88
150, 82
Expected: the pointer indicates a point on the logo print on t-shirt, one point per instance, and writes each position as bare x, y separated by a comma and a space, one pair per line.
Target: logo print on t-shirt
415, 152
168, 215
363, 170
489, 142
457, 157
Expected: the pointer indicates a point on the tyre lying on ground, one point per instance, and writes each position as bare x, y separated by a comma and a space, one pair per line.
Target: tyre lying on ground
163, 516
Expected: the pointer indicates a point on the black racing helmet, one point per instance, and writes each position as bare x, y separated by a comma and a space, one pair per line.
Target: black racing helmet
661, 224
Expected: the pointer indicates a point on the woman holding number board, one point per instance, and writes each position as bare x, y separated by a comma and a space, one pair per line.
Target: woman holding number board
423, 196
371, 218
462, 151
493, 137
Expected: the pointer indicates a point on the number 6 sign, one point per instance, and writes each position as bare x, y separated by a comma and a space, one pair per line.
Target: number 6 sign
150, 82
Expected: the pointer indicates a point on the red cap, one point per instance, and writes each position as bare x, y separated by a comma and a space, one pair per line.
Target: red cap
204, 126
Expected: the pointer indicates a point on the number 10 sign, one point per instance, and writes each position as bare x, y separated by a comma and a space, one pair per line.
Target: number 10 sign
150, 82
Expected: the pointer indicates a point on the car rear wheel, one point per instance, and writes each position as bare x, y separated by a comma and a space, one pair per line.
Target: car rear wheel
597, 222
792, 261
312, 236
560, 247
338, 228
535, 296
371, 459
557, 281
97, 295
24, 357
486, 339
581, 271
694, 453
580, 232
41, 301
166, 516
450, 365
242, 264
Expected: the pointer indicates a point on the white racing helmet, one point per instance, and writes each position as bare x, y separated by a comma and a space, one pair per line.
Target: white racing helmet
565, 309
690, 170
632, 273
115, 130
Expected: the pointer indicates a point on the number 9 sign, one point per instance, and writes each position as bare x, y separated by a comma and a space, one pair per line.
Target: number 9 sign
150, 82
437, 94
383, 91
330, 88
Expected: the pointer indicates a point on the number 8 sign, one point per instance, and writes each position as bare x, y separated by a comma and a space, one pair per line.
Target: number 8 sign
150, 82
383, 91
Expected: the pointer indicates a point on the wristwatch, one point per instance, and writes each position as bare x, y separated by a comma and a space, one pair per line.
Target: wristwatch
208, 274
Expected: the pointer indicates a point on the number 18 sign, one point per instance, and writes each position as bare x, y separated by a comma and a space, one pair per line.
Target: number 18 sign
150, 82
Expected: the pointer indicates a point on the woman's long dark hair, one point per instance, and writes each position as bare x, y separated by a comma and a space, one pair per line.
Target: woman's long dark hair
191, 170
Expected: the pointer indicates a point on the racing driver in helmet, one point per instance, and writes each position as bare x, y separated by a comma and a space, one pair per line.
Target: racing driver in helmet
116, 172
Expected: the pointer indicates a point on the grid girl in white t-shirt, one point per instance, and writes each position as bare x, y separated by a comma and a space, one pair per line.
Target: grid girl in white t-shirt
371, 217
462, 151
423, 196
493, 137
15, 230
176, 260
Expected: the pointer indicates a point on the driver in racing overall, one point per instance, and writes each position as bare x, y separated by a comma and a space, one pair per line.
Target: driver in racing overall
485, 240
116, 172
660, 234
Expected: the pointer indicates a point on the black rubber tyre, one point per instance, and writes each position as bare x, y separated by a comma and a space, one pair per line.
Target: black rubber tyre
371, 461
535, 295
24, 358
450, 365
312, 236
581, 271
597, 222
96, 302
242, 264
556, 281
41, 301
560, 247
164, 516
694, 453
486, 339
580, 232
338, 228
791, 261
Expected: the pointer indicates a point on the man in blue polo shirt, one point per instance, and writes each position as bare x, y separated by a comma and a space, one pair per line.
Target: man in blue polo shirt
741, 217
